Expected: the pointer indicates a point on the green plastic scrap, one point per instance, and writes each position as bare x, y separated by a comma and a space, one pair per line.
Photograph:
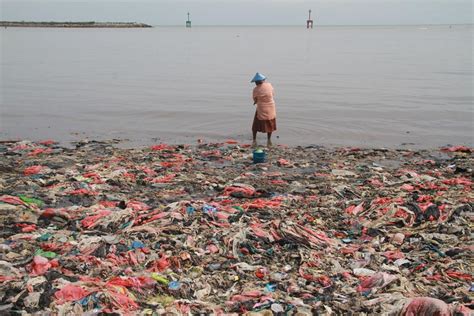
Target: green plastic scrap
46, 254
30, 200
44, 237
125, 225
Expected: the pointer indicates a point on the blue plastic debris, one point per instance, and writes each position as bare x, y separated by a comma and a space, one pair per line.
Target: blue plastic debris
174, 285
190, 210
209, 209
137, 245
270, 287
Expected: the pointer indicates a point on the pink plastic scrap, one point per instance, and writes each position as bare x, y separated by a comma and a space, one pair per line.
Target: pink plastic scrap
137, 206
464, 149
11, 200
91, 221
283, 162
245, 191
407, 187
428, 306
69, 293
246, 296
378, 280
41, 265
21, 147
120, 298
262, 203
164, 179
458, 181
393, 255
82, 192
138, 283
354, 210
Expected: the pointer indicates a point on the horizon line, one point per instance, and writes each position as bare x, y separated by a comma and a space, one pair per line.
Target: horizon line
321, 25
233, 25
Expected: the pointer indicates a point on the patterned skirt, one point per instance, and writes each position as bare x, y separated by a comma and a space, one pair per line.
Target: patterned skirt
263, 126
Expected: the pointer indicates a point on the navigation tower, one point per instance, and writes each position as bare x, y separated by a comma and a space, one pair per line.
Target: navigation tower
309, 22
188, 22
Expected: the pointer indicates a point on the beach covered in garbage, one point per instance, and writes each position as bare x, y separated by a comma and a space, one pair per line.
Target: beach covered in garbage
200, 229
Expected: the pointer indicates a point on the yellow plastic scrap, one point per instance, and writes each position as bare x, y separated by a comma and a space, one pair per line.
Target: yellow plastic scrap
159, 278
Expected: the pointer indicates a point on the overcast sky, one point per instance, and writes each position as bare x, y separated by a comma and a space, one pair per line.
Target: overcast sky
243, 12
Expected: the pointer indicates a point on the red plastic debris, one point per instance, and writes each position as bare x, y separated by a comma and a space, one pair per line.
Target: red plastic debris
32, 170
424, 198
39, 151
244, 191
161, 147
378, 280
90, 221
108, 203
48, 142
407, 187
164, 179
393, 255
261, 203
160, 265
459, 275
82, 192
148, 171
137, 206
354, 210
283, 162
27, 228
21, 147
381, 201
261, 273
134, 282
324, 280
12, 200
41, 265
457, 181
69, 293
120, 298
211, 153
464, 149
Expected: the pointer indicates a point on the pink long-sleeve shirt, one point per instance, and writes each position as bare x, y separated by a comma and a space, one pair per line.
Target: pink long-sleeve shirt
263, 97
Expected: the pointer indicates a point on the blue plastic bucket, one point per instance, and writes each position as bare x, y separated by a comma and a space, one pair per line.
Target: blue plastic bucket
258, 157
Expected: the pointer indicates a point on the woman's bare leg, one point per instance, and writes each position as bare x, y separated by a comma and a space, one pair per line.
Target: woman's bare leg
269, 139
254, 141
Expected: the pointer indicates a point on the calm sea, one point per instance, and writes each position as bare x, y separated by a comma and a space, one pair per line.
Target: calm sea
361, 86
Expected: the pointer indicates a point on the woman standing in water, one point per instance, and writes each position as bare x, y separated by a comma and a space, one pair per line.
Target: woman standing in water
265, 115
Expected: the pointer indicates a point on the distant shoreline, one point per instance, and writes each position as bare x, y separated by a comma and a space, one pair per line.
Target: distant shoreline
91, 24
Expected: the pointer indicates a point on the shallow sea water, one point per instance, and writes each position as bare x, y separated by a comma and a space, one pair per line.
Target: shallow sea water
360, 86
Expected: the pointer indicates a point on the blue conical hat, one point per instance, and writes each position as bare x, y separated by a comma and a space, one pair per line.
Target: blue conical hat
258, 77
